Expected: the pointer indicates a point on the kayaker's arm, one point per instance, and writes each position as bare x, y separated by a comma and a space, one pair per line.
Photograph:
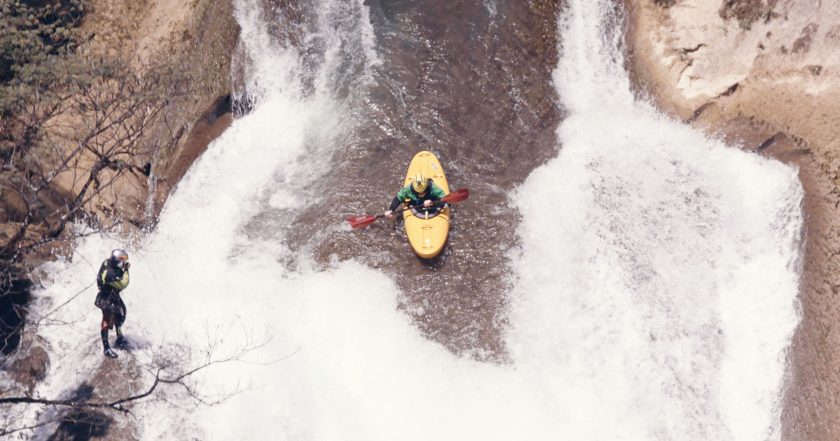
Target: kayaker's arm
403, 194
395, 203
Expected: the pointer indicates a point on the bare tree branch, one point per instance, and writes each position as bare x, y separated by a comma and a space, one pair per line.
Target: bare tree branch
160, 375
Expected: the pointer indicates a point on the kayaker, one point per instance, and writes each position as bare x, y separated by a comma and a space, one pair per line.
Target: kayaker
422, 192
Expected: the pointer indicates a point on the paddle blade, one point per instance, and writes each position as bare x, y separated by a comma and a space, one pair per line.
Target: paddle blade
361, 221
456, 196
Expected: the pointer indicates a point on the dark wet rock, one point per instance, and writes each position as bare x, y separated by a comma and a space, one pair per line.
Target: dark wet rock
113, 379
77, 424
80, 425
13, 298
470, 81
117, 378
29, 368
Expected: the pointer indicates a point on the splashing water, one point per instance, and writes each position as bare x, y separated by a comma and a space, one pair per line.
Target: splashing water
654, 289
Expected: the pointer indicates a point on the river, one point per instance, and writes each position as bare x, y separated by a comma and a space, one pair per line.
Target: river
615, 275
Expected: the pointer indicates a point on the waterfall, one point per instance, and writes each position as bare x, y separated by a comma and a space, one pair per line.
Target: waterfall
653, 293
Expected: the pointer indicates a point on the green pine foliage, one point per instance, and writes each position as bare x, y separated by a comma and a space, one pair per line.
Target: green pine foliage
36, 48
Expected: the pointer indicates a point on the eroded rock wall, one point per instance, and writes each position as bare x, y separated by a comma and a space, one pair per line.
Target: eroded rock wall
196, 37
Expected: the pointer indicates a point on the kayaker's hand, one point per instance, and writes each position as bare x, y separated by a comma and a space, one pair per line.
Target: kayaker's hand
427, 203
389, 214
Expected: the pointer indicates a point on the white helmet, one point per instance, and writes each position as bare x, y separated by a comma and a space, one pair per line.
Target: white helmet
119, 257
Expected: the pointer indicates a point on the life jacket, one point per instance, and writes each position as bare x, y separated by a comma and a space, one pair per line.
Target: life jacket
111, 278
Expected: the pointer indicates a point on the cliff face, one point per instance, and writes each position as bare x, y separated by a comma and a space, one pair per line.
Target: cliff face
131, 97
765, 75
195, 37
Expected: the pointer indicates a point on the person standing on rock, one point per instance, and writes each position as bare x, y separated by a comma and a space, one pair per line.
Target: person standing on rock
111, 279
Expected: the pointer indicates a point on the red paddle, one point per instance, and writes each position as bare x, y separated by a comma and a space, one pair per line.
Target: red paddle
365, 220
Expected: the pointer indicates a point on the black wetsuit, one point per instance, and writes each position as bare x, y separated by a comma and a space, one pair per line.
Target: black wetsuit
111, 279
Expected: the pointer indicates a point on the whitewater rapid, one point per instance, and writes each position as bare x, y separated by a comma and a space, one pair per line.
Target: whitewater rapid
654, 291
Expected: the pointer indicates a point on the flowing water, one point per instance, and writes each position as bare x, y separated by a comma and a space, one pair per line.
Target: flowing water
614, 276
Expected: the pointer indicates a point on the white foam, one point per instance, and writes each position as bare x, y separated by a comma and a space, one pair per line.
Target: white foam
659, 267
653, 300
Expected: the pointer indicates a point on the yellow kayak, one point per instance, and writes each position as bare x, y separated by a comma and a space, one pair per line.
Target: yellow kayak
427, 232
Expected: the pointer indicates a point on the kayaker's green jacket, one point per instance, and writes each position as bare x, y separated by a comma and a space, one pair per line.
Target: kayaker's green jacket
433, 193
